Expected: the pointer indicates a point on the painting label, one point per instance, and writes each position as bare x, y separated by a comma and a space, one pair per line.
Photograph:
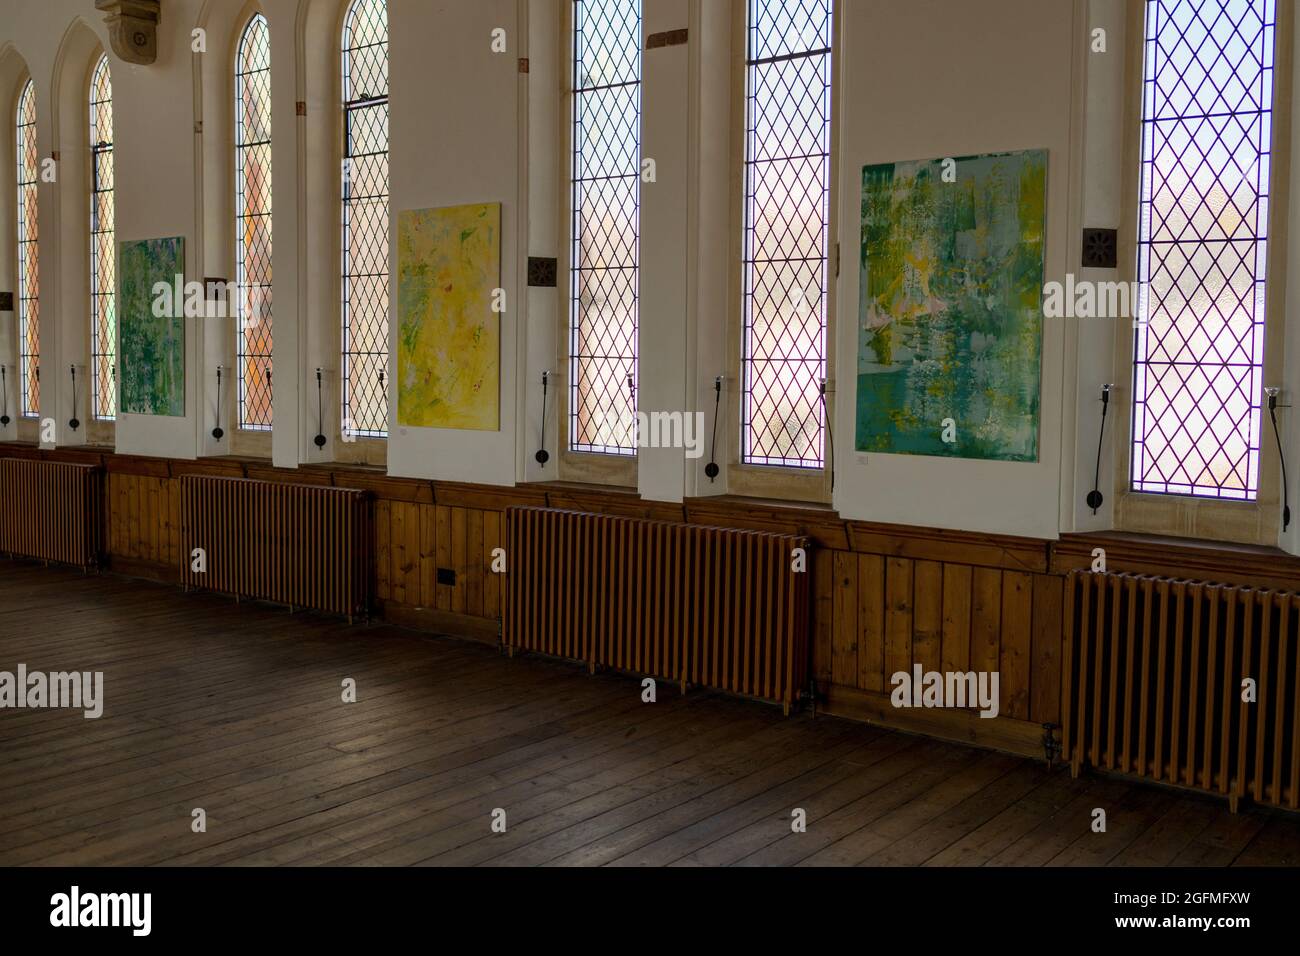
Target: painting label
449, 337
950, 307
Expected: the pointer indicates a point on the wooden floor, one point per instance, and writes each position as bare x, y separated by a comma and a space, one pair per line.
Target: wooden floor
237, 709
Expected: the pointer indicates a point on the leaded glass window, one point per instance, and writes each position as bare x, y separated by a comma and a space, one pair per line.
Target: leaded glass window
786, 223
365, 219
103, 252
1207, 99
606, 196
29, 283
253, 223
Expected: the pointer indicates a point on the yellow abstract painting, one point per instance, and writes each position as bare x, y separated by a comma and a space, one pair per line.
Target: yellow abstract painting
449, 337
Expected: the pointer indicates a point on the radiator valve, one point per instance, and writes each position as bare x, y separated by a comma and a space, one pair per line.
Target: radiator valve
1051, 747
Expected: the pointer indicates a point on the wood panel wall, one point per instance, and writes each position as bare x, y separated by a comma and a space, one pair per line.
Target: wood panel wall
144, 521
885, 596
878, 615
414, 539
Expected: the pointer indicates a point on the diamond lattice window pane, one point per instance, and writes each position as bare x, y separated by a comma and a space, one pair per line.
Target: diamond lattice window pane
606, 196
1202, 241
103, 251
29, 284
787, 215
253, 224
365, 220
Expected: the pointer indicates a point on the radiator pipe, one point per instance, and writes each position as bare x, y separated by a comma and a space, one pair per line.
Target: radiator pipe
319, 440
73, 423
711, 469
1273, 393
4, 398
217, 432
542, 455
1095, 497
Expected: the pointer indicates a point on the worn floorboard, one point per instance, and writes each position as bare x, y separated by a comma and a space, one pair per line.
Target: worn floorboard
237, 709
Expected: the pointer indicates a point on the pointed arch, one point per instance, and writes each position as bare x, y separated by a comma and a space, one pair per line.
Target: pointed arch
253, 224
103, 243
27, 305
14, 79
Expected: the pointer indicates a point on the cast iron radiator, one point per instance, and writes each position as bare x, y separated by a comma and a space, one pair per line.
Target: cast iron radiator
1154, 679
51, 510
301, 545
716, 607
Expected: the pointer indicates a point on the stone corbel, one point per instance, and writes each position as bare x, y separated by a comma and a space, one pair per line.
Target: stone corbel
133, 28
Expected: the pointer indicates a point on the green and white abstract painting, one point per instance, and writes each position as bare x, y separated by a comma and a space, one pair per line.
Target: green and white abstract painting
950, 306
151, 350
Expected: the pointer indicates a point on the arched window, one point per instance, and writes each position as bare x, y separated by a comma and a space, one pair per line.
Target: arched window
253, 223
786, 221
103, 254
365, 219
606, 205
29, 284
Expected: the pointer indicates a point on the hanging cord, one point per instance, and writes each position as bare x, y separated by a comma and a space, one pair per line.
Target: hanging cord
631, 398
711, 469
217, 432
1277, 434
1095, 498
543, 456
320, 413
830, 436
73, 423
4, 398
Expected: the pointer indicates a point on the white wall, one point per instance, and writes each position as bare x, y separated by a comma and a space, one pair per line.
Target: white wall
661, 332
919, 79
927, 79
455, 112
1289, 419
1092, 341
153, 160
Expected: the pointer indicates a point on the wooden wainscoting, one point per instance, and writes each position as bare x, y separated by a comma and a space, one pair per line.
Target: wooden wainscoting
949, 601
144, 521
416, 543
885, 597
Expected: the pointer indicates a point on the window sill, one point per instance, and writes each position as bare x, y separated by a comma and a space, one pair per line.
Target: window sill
805, 486
1177, 557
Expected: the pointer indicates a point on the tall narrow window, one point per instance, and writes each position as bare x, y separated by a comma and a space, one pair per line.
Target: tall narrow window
253, 223
29, 284
606, 198
786, 221
365, 218
103, 255
1207, 101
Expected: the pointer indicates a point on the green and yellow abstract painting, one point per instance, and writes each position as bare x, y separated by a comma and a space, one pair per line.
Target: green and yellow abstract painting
151, 347
449, 337
950, 306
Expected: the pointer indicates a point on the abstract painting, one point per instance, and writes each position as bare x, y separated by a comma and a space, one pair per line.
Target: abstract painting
151, 350
449, 336
950, 306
